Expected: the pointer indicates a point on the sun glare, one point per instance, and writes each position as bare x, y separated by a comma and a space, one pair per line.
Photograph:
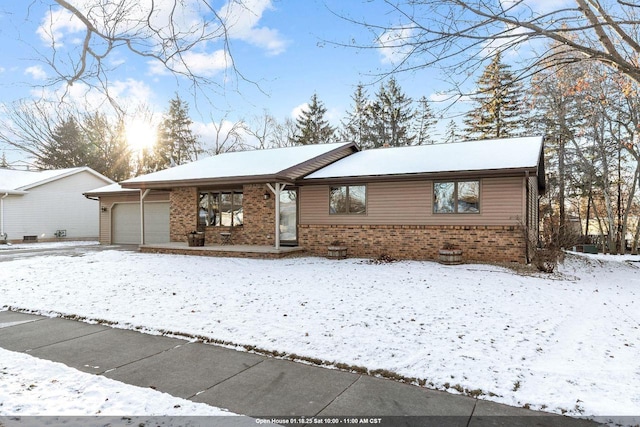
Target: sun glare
140, 135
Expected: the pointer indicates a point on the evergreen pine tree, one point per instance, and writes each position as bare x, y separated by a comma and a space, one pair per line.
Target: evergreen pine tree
452, 134
110, 152
311, 126
3, 161
499, 110
66, 147
425, 123
176, 143
392, 116
357, 126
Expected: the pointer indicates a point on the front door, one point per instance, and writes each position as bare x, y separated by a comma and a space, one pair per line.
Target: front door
289, 217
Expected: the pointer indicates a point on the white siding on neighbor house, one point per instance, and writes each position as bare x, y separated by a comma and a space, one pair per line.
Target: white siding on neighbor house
56, 205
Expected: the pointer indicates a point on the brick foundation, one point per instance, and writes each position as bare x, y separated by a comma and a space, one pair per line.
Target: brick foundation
418, 242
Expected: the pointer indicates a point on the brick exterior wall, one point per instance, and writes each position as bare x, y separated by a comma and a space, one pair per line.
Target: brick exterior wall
418, 242
258, 217
479, 243
183, 213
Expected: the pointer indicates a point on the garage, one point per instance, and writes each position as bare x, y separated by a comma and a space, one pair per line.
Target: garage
125, 223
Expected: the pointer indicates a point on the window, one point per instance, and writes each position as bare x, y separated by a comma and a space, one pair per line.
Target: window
220, 208
456, 197
348, 199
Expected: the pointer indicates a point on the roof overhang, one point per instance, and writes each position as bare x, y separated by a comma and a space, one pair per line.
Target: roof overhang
232, 181
66, 173
13, 192
123, 192
467, 174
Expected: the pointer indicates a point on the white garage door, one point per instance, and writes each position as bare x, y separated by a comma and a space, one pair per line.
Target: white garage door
125, 223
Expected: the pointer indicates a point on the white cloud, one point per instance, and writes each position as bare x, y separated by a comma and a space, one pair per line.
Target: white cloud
131, 91
192, 20
56, 24
297, 111
512, 36
36, 72
536, 6
203, 64
128, 93
242, 20
393, 44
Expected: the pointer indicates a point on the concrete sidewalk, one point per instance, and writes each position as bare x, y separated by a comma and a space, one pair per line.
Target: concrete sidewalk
250, 384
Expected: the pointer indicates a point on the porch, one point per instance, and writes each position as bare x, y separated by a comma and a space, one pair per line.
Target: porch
237, 251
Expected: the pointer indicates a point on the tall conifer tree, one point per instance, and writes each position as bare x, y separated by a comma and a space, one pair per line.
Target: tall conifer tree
425, 122
499, 111
176, 143
357, 125
311, 125
392, 116
66, 147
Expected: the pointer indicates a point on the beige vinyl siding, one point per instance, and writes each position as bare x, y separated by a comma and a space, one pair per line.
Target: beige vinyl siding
411, 203
110, 201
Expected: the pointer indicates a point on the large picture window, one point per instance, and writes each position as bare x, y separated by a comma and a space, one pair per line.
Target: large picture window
456, 197
348, 199
220, 208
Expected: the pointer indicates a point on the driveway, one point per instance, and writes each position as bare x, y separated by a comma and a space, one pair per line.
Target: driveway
69, 248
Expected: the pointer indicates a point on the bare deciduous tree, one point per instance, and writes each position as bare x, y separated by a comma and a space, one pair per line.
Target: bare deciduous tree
174, 35
228, 136
460, 34
262, 128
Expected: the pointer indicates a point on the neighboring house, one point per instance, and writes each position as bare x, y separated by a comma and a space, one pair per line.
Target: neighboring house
403, 202
48, 205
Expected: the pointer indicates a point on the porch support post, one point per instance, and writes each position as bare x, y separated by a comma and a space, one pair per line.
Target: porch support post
276, 189
143, 195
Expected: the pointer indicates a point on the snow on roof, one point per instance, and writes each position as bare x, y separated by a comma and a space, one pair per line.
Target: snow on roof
111, 188
512, 153
17, 181
240, 164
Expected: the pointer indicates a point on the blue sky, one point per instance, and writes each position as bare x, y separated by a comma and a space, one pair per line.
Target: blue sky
286, 47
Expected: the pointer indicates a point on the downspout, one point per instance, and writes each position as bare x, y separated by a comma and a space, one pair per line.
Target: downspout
527, 218
143, 195
2, 235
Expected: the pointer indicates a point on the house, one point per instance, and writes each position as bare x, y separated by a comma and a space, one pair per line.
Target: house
48, 205
481, 196
404, 202
234, 192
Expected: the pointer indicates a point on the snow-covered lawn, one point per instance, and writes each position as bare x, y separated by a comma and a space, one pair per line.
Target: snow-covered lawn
567, 342
31, 386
